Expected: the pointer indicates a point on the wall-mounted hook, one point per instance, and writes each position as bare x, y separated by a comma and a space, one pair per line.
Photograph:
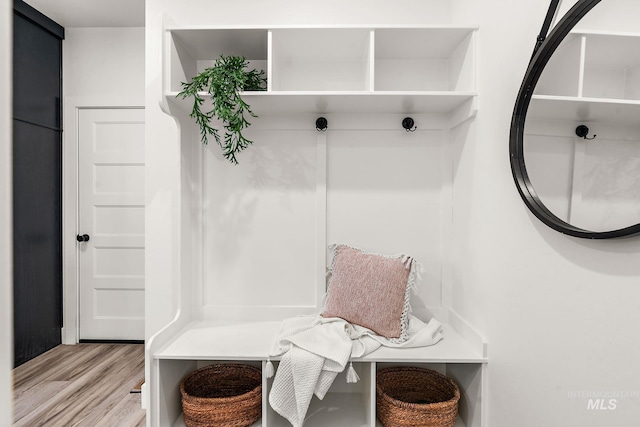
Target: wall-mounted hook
582, 131
321, 124
408, 124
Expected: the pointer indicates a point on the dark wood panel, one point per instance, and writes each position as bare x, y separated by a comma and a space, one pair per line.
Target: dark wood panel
37, 74
37, 228
37, 182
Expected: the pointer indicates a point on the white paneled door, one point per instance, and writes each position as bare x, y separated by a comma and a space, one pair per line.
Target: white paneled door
111, 223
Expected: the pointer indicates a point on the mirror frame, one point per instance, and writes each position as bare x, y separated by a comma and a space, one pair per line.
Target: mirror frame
516, 138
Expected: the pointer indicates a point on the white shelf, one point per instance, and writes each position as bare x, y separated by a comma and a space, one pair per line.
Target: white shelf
242, 341
331, 411
349, 405
614, 111
345, 102
336, 409
594, 65
339, 62
254, 340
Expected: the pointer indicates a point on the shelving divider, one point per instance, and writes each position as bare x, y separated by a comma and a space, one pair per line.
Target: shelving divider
321, 214
583, 44
265, 396
372, 390
269, 61
372, 61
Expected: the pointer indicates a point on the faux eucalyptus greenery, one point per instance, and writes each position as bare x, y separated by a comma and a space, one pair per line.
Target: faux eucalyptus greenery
224, 82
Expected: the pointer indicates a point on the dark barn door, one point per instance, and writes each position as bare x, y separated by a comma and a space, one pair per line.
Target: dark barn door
37, 182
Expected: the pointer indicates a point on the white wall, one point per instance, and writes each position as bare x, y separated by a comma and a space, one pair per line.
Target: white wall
560, 313
6, 264
101, 62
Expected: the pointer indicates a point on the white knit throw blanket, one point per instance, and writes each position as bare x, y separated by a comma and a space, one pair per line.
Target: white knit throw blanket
315, 349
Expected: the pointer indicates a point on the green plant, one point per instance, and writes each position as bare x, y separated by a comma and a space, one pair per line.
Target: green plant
223, 82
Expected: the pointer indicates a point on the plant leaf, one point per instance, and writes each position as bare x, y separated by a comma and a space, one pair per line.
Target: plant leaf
224, 82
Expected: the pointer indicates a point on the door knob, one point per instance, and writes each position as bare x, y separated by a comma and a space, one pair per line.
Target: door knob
82, 238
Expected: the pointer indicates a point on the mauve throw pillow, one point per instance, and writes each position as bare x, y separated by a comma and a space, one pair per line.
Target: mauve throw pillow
370, 290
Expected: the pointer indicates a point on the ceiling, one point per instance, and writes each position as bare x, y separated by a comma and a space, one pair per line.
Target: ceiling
92, 13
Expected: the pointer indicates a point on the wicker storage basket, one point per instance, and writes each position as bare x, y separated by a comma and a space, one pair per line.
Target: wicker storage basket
411, 397
222, 395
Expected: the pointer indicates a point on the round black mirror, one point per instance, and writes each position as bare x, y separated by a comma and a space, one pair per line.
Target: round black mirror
575, 128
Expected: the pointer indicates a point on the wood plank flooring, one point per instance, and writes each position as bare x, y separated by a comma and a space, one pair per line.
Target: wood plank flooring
85, 385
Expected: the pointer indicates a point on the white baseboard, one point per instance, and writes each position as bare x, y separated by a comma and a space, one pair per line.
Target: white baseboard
66, 338
144, 397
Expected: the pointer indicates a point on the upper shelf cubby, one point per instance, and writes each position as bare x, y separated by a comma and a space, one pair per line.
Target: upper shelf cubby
612, 66
419, 69
424, 59
594, 65
321, 59
193, 50
561, 75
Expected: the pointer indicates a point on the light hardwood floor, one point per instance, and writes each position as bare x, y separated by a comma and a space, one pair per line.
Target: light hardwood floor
80, 385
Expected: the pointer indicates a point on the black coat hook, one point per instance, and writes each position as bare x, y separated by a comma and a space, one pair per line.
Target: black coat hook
582, 131
408, 124
321, 124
